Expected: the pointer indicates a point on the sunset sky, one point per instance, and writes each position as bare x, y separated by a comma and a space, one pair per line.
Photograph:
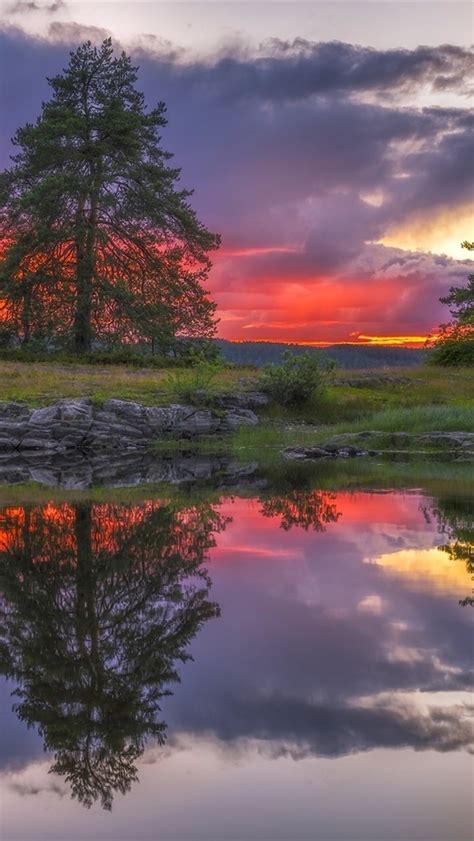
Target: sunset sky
330, 144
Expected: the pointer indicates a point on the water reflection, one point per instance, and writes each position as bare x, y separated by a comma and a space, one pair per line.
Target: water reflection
455, 520
340, 630
99, 604
306, 509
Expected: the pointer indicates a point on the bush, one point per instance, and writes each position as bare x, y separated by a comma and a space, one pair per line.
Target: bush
453, 352
129, 358
298, 380
194, 352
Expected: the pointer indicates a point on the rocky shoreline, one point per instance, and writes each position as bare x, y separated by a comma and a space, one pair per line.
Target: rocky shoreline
458, 445
76, 443
80, 426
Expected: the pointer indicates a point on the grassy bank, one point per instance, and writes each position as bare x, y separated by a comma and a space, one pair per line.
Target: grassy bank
415, 401
40, 383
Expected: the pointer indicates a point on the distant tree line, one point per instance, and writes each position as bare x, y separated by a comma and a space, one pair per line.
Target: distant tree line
344, 355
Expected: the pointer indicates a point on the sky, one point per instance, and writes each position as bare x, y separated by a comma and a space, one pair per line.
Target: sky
330, 144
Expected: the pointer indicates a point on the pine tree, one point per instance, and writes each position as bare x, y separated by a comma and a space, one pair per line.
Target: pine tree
97, 240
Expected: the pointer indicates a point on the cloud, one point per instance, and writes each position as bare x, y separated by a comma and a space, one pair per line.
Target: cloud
297, 70
30, 789
76, 33
306, 148
25, 7
301, 728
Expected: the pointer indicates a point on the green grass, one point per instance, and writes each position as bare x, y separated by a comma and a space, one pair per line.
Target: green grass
415, 419
428, 399
40, 383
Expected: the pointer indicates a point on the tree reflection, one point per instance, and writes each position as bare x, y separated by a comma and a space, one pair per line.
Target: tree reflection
304, 508
455, 520
99, 603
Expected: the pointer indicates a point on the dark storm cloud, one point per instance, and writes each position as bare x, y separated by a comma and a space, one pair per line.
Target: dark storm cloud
75, 33
299, 728
301, 69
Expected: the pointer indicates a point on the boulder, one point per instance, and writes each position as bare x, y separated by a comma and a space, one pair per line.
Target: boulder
236, 418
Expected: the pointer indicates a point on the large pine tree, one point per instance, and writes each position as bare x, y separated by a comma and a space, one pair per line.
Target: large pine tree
97, 241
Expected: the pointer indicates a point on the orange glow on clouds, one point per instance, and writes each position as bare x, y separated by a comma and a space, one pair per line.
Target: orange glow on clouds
318, 310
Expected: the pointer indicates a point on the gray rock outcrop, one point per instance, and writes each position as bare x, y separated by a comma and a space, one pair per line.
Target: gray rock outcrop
115, 426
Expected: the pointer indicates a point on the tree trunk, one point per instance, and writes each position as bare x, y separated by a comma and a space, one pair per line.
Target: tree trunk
25, 316
84, 285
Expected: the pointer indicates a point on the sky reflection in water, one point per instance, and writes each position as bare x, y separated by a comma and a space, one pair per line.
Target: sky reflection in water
330, 699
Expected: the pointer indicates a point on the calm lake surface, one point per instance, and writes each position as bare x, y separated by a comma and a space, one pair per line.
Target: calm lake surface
329, 690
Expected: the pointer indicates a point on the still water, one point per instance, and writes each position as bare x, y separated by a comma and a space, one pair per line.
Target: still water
268, 665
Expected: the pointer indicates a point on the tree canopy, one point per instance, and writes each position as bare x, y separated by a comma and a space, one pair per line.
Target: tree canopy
98, 243
455, 343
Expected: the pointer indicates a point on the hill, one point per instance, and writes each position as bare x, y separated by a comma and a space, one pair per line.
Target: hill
349, 356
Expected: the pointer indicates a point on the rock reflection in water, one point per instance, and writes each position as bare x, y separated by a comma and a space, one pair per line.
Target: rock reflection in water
99, 603
80, 472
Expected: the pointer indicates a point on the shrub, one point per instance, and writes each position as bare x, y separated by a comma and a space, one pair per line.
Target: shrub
453, 352
298, 379
194, 352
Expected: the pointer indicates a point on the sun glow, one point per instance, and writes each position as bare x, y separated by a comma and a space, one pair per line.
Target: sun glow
422, 567
439, 233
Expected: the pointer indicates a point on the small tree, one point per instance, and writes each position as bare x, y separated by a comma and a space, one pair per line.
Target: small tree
455, 343
97, 240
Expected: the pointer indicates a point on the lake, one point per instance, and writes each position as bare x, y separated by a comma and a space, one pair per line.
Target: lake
289, 658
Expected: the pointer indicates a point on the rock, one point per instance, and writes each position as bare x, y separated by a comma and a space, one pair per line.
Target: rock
331, 450
133, 413
31, 443
13, 411
198, 422
444, 440
236, 418
46, 415
126, 470
8, 443
76, 426
78, 412
243, 400
400, 439
13, 428
300, 453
